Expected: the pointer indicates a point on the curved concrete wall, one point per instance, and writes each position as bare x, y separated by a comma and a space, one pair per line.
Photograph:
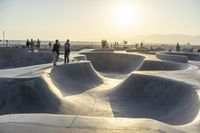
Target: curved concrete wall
191, 56
80, 57
115, 62
109, 50
75, 78
150, 65
178, 56
140, 50
19, 57
145, 96
27, 95
187, 49
169, 57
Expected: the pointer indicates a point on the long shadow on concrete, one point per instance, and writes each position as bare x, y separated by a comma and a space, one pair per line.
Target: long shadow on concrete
20, 57
27, 95
142, 96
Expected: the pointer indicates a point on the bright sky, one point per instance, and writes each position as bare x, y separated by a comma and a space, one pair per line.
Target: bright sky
93, 20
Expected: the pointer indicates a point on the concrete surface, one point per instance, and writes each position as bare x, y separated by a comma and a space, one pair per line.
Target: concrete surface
171, 57
146, 95
143, 96
178, 56
20, 57
75, 78
150, 65
115, 63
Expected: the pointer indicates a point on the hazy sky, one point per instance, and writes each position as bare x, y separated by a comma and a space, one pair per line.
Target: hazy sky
93, 20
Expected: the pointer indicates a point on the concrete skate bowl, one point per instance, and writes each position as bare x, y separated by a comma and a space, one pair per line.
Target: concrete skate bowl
190, 55
108, 50
187, 49
80, 57
178, 56
20, 57
168, 101
75, 78
115, 63
27, 95
140, 50
150, 65
172, 57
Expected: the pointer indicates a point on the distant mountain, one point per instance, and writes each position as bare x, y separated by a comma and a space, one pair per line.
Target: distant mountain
171, 38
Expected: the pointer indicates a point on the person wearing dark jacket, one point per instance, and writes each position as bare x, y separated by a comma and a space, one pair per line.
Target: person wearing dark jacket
55, 51
32, 45
178, 48
67, 51
27, 43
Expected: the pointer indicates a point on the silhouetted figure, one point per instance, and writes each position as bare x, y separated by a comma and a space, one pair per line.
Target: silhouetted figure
50, 44
125, 43
27, 43
178, 48
141, 44
38, 43
55, 51
32, 45
104, 43
136, 46
67, 51
7, 43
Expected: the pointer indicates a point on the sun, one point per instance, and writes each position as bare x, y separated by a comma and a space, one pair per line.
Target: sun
124, 15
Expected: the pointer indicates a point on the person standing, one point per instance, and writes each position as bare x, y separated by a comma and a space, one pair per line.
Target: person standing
38, 43
67, 51
32, 45
178, 48
27, 43
50, 44
7, 43
55, 51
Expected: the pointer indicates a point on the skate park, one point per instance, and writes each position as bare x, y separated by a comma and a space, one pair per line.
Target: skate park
111, 91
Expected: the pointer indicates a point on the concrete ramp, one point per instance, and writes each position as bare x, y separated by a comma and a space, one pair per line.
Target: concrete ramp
115, 62
75, 78
20, 57
150, 65
27, 95
143, 96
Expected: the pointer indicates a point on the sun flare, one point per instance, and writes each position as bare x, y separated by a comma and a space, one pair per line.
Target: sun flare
124, 15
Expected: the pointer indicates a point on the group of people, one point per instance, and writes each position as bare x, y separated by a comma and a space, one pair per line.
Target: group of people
32, 44
55, 50
105, 44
